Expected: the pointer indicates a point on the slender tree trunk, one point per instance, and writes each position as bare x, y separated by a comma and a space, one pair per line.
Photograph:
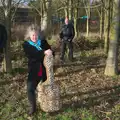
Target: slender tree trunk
77, 27
75, 21
108, 30
103, 17
7, 51
102, 23
87, 28
66, 12
106, 27
46, 19
69, 11
105, 32
109, 19
88, 17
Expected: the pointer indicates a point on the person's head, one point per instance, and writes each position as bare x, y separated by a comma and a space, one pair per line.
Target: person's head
32, 33
66, 20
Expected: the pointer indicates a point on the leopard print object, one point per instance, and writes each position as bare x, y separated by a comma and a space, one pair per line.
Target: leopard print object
49, 91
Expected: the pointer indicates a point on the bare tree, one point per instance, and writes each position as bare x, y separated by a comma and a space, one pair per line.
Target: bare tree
43, 8
7, 6
46, 18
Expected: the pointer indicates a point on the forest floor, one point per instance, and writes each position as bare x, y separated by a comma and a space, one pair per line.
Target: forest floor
86, 93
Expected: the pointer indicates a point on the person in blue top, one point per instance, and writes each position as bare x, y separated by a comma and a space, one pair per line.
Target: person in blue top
35, 49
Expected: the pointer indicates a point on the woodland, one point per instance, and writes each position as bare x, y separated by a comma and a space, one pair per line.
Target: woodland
90, 85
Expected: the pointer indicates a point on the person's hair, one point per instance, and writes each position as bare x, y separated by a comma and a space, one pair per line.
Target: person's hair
31, 29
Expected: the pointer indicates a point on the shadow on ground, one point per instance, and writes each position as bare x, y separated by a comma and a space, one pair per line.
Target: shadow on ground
99, 99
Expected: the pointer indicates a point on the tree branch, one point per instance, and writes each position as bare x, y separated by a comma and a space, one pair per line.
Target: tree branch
94, 6
34, 7
16, 7
3, 4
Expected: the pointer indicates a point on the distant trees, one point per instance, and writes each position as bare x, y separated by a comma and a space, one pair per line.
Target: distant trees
75, 10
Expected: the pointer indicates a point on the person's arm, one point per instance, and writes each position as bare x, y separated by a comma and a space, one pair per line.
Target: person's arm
32, 52
73, 32
45, 45
5, 35
3, 32
61, 33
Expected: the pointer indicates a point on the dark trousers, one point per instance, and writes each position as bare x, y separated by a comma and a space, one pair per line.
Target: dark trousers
32, 82
31, 87
64, 45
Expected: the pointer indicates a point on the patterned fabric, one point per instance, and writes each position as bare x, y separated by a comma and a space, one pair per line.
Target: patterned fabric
49, 91
2, 16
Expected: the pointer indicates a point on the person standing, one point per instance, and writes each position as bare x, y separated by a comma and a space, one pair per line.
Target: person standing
35, 50
3, 37
66, 35
3, 41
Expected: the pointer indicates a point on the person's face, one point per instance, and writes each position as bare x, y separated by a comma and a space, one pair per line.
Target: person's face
66, 21
34, 37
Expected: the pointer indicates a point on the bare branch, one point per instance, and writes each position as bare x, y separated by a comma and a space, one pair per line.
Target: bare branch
105, 8
3, 4
93, 6
34, 7
44, 4
98, 12
15, 7
16, 3
63, 2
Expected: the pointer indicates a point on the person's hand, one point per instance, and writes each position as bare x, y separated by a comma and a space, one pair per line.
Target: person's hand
69, 40
48, 52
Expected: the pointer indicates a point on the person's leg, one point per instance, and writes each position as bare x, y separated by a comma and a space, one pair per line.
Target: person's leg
63, 49
70, 54
31, 87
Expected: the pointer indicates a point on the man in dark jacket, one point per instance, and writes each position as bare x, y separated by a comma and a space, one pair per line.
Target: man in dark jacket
66, 35
3, 40
3, 37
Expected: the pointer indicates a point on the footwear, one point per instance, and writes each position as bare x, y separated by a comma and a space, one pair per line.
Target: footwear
62, 62
73, 59
33, 108
32, 111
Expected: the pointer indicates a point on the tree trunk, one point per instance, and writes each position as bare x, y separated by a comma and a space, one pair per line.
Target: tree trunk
105, 32
102, 23
75, 21
111, 68
7, 51
108, 29
111, 63
109, 19
87, 28
66, 12
70, 9
88, 17
46, 18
